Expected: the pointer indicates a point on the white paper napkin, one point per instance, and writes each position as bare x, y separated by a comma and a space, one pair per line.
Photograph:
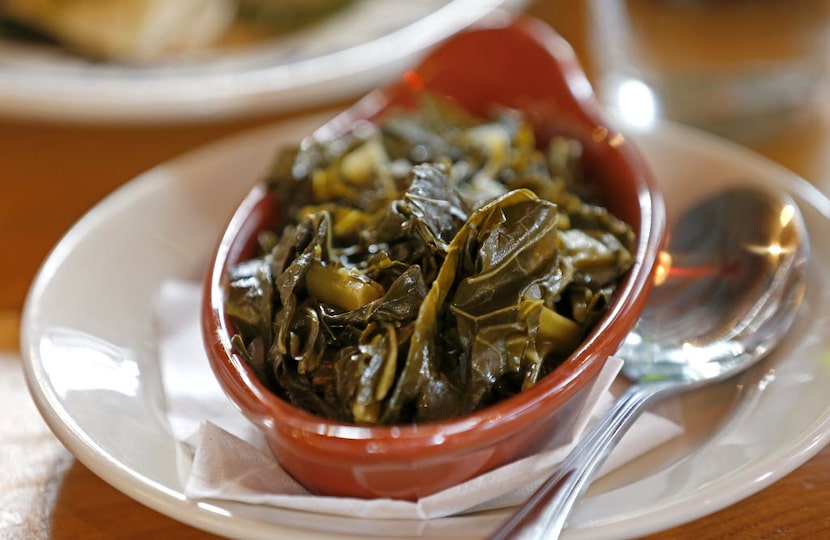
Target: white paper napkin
230, 460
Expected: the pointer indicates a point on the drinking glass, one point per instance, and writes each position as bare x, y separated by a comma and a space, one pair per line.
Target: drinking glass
738, 68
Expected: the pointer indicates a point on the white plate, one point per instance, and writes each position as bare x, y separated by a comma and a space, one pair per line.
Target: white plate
106, 405
323, 62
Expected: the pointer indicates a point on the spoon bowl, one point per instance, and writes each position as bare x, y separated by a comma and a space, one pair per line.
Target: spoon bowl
732, 280
743, 251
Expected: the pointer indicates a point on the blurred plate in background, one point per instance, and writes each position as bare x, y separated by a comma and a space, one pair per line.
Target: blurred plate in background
353, 51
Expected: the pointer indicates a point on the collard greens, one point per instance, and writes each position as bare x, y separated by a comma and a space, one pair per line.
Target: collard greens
431, 264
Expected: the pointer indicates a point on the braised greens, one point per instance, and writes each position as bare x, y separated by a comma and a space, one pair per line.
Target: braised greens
430, 265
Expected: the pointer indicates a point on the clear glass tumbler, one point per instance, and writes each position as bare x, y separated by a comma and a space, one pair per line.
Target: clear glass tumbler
738, 68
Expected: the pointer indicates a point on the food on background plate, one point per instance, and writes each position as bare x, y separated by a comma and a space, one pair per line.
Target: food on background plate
142, 30
287, 15
429, 265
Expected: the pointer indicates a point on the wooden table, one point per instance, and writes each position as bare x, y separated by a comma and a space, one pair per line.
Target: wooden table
51, 174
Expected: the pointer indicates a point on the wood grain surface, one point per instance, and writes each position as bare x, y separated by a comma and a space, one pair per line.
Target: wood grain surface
52, 173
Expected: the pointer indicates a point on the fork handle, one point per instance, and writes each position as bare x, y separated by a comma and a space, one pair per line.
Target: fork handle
544, 514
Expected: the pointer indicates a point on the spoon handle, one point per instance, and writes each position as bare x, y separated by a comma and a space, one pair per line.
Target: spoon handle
544, 514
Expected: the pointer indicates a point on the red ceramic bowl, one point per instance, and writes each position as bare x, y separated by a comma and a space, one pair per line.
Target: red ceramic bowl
525, 65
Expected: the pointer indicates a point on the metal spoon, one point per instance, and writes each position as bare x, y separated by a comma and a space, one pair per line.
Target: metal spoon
731, 293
